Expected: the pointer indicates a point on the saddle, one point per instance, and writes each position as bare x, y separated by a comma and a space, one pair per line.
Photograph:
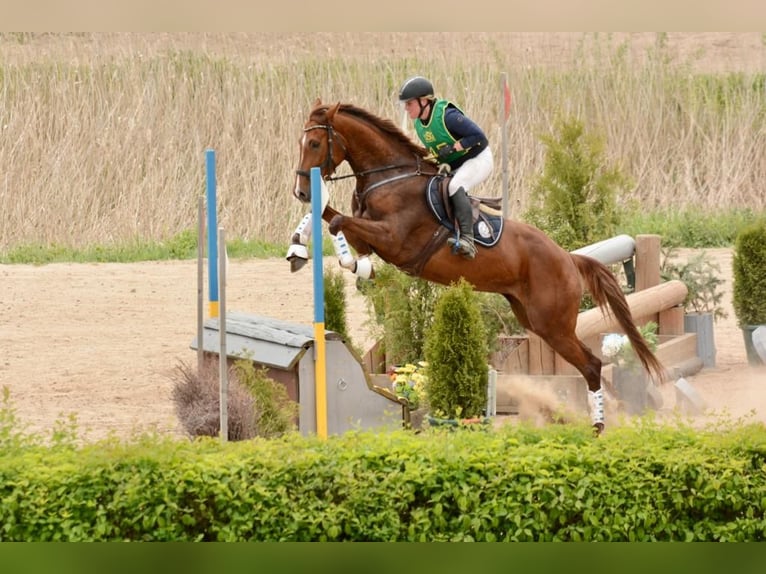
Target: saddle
487, 211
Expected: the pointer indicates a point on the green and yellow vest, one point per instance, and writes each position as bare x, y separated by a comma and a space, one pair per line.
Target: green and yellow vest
435, 134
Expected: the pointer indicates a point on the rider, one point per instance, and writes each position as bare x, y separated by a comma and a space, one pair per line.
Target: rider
455, 140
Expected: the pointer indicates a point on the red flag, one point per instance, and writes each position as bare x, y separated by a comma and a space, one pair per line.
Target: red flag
507, 97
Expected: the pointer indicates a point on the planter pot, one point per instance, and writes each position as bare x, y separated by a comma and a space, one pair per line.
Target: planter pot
702, 325
759, 342
753, 356
631, 385
478, 423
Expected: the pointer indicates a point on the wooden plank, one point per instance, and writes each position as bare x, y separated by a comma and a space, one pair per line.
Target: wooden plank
671, 321
677, 350
570, 392
673, 352
541, 357
512, 355
374, 360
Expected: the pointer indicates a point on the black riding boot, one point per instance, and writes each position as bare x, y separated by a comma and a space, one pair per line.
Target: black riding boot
462, 206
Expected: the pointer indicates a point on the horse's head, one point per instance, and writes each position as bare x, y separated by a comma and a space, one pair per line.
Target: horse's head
320, 147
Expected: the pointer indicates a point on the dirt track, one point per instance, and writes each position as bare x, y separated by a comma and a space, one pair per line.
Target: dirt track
100, 340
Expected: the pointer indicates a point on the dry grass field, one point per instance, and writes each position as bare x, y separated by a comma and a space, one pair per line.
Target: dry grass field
103, 139
104, 135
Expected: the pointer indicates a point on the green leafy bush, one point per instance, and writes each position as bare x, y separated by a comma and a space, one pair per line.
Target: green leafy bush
401, 307
456, 352
643, 482
703, 282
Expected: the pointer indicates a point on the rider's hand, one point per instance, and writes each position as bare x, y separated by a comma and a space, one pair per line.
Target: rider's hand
445, 151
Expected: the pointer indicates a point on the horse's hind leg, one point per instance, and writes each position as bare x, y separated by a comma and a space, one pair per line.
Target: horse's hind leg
574, 351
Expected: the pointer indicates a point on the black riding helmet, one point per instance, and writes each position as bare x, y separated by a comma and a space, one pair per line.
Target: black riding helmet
415, 87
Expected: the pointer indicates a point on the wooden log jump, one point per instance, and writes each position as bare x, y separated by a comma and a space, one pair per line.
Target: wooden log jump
532, 361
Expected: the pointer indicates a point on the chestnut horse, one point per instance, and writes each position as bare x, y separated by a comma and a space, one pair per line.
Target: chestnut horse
543, 282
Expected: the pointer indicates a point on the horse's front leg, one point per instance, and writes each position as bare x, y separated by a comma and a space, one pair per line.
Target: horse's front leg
361, 266
360, 230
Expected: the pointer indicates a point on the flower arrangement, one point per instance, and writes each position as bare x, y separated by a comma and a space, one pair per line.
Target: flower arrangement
617, 348
409, 382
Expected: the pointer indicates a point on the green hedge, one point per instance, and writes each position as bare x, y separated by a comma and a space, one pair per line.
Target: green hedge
646, 482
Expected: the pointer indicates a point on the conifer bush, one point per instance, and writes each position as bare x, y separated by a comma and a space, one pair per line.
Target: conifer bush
749, 270
335, 303
574, 199
456, 352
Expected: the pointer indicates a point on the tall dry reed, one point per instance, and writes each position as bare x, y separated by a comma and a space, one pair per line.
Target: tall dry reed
103, 135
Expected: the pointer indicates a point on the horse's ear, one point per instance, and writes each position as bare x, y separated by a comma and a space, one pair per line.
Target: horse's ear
332, 111
318, 102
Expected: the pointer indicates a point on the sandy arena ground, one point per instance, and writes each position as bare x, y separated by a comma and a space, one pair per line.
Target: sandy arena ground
100, 341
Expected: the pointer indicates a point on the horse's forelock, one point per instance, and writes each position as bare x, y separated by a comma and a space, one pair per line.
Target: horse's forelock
319, 113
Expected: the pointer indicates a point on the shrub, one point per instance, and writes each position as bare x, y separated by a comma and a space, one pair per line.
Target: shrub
275, 412
335, 303
403, 307
574, 199
702, 279
257, 405
647, 482
749, 275
456, 352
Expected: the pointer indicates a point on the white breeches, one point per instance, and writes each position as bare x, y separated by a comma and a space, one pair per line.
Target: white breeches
472, 172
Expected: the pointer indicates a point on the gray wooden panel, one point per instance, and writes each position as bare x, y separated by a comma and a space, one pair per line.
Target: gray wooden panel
259, 351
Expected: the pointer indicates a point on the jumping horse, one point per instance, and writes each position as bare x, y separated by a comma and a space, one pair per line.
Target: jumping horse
543, 282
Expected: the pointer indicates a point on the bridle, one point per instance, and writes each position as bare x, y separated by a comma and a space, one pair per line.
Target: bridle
329, 168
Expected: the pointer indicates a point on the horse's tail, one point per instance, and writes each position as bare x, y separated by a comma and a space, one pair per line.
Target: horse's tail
605, 290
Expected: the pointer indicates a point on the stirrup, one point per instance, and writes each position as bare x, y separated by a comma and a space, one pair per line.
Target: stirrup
463, 246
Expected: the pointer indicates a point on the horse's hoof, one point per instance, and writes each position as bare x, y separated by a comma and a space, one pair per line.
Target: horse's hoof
296, 263
598, 429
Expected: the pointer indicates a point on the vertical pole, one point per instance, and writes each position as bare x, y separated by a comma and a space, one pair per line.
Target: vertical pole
320, 367
212, 224
223, 363
504, 123
648, 249
200, 280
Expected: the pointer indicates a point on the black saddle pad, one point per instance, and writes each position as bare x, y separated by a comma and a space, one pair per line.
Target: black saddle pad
487, 227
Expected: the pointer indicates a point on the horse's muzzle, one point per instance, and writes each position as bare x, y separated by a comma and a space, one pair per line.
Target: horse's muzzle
304, 196
300, 192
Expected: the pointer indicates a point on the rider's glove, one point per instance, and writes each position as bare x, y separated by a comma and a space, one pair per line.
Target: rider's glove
445, 151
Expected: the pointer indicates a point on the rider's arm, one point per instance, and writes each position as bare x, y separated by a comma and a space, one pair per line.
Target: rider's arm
463, 129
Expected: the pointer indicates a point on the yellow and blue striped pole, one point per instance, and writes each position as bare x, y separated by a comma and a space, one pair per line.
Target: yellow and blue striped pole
320, 365
212, 235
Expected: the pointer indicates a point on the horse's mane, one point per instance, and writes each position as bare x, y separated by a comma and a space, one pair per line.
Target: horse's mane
384, 125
